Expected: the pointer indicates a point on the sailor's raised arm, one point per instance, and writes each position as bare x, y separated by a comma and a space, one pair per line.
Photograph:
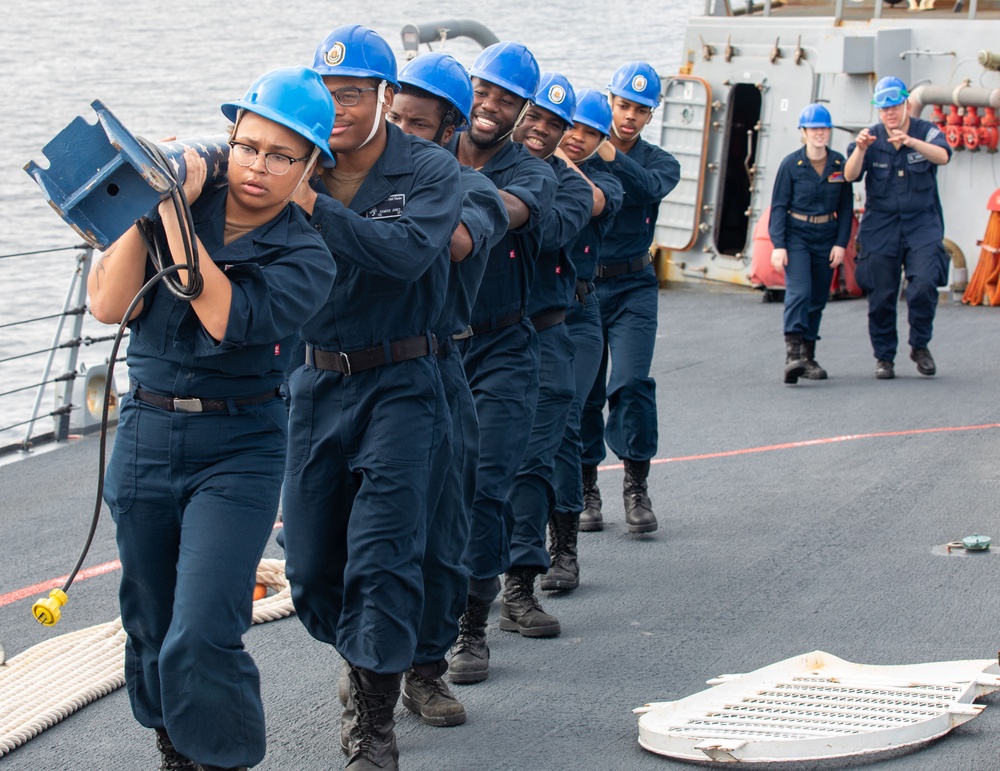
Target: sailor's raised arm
856, 159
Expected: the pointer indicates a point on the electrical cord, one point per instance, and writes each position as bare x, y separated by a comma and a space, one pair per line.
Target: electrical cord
47, 610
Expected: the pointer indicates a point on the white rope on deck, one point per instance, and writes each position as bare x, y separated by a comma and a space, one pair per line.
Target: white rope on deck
54, 679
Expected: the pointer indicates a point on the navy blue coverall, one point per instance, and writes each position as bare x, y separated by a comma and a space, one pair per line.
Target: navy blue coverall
446, 578
500, 354
365, 447
532, 495
799, 189
902, 229
627, 289
583, 321
194, 494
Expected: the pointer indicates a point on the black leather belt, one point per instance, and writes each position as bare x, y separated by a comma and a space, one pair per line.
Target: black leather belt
548, 319
621, 268
813, 219
192, 404
444, 348
369, 358
482, 329
583, 288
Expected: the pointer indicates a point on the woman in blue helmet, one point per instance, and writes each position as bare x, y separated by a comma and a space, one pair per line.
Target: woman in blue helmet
591, 129
810, 225
902, 228
195, 475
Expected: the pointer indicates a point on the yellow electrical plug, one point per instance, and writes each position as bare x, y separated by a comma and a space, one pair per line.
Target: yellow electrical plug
47, 611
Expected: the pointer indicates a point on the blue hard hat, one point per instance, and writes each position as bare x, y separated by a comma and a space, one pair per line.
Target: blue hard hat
815, 116
592, 109
637, 82
508, 65
296, 98
889, 92
440, 74
555, 94
354, 51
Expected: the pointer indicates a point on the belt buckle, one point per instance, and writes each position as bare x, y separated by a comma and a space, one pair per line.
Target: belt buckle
465, 333
345, 362
187, 405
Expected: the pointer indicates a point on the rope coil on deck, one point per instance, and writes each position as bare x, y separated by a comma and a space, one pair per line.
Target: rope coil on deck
52, 680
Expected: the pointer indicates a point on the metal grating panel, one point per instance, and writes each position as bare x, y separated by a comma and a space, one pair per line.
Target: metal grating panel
816, 706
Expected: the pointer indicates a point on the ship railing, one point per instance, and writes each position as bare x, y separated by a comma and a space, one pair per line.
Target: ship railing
67, 338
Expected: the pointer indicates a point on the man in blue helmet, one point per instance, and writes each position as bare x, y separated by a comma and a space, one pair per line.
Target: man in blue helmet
499, 347
532, 495
903, 225
628, 291
195, 476
368, 416
434, 103
591, 128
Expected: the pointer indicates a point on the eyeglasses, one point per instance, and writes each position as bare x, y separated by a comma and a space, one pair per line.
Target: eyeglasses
275, 163
348, 97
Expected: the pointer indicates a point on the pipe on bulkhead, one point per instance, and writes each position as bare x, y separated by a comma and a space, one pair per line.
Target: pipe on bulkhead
962, 95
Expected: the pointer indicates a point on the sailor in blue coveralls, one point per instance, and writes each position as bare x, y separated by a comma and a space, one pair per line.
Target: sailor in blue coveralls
500, 347
368, 416
903, 226
434, 103
628, 291
591, 128
532, 495
810, 225
195, 475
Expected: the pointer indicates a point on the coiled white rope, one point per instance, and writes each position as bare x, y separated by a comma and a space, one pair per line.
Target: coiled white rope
54, 679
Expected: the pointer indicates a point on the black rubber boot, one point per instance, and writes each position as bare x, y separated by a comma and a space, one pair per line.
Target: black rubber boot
372, 738
470, 656
638, 509
813, 370
519, 608
590, 517
795, 359
564, 572
170, 758
425, 692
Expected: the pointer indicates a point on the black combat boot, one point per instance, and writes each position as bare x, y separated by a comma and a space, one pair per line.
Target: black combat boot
813, 370
470, 656
372, 738
425, 692
638, 509
519, 608
170, 758
795, 359
347, 716
564, 572
590, 517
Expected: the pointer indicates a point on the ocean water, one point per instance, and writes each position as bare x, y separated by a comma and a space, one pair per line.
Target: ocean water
165, 69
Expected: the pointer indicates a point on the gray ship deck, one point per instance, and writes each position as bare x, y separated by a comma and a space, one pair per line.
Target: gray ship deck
760, 556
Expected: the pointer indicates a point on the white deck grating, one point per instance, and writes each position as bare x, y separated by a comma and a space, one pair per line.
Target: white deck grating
828, 708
